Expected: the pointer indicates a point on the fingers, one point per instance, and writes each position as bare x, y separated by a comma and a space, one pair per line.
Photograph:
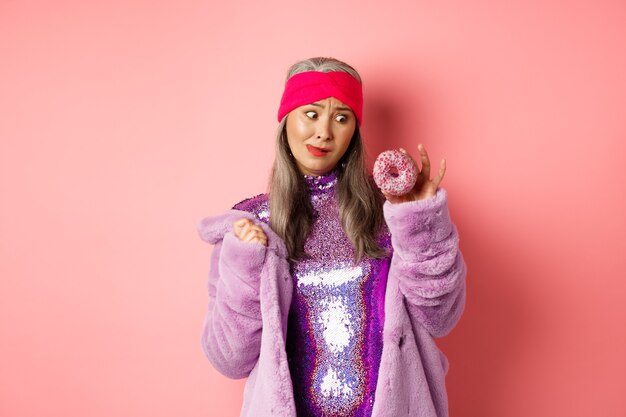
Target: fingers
246, 231
240, 227
254, 234
239, 224
425, 161
423, 174
390, 197
442, 170
426, 167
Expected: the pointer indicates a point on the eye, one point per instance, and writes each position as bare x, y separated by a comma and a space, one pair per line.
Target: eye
311, 114
341, 118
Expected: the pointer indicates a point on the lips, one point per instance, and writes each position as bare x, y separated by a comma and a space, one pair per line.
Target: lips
315, 151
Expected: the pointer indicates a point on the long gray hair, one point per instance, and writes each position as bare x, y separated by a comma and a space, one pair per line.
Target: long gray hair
360, 201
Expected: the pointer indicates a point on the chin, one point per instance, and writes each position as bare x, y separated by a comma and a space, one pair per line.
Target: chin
317, 167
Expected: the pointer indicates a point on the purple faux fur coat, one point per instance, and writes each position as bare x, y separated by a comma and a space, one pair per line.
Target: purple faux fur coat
250, 290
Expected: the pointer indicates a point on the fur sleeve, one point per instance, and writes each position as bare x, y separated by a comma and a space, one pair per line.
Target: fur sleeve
427, 261
231, 337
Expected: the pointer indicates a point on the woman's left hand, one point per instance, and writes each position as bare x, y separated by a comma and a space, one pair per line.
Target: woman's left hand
424, 186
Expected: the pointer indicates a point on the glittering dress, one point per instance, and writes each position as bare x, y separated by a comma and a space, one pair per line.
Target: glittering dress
334, 336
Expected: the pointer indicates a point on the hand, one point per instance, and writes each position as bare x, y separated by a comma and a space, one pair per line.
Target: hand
247, 231
424, 186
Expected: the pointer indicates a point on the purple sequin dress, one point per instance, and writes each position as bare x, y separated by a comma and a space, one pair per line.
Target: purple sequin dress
334, 335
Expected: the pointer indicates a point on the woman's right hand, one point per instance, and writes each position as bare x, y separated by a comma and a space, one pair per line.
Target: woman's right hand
247, 231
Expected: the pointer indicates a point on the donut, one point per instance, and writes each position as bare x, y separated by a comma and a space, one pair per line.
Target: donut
394, 172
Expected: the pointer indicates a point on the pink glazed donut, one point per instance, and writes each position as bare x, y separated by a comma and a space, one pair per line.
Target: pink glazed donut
385, 177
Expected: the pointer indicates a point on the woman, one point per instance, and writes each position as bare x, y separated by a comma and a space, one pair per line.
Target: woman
326, 293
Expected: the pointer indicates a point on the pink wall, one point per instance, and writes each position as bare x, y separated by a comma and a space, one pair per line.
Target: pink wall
124, 123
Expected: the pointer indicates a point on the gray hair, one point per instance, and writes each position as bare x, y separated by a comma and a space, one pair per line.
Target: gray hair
360, 201
320, 64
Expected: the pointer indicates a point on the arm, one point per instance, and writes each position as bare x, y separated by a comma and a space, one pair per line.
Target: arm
427, 262
231, 337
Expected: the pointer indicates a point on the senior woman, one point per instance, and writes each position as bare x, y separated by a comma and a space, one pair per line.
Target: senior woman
326, 293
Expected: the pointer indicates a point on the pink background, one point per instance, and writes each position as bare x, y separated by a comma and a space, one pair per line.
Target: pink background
125, 122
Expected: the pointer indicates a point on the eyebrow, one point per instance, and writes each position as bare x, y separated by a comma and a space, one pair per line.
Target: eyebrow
338, 108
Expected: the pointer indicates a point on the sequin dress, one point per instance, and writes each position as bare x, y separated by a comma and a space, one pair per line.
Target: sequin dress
334, 335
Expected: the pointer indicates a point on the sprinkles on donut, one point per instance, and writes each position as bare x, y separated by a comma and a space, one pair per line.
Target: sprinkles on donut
394, 172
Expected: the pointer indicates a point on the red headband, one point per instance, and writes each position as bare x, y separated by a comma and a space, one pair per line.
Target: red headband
309, 87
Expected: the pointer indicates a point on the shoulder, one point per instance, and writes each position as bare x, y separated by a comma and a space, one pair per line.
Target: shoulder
257, 205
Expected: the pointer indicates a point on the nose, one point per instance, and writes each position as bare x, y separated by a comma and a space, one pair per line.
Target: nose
324, 129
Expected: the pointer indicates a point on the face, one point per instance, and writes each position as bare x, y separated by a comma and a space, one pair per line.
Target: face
319, 134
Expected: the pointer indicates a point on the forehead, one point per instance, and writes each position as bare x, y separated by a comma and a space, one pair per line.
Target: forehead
331, 102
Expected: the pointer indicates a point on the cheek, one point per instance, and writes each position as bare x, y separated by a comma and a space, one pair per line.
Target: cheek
297, 129
346, 137
291, 135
